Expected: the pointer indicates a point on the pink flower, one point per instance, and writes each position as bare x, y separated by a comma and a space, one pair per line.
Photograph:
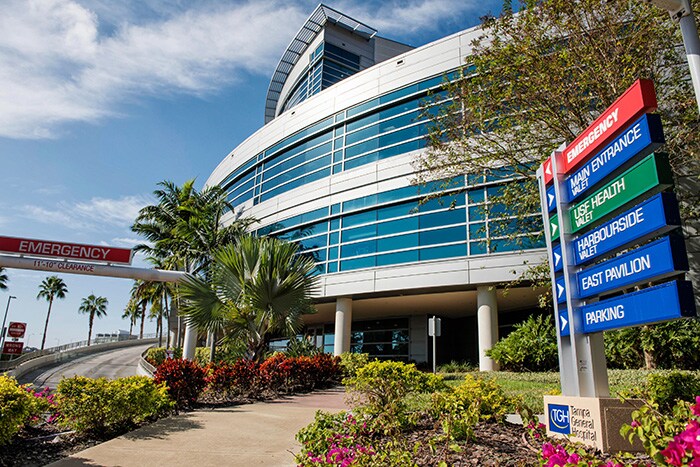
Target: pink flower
635, 424
573, 459
674, 453
696, 407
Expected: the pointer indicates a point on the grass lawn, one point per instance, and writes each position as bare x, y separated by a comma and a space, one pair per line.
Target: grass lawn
532, 386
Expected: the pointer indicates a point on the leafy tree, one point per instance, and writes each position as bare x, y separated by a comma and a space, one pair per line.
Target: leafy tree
536, 79
532, 346
3, 279
93, 307
257, 288
51, 288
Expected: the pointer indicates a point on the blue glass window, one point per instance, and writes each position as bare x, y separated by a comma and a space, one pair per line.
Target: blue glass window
401, 225
360, 218
356, 249
477, 230
477, 248
398, 242
359, 233
451, 234
397, 258
449, 251
437, 219
357, 263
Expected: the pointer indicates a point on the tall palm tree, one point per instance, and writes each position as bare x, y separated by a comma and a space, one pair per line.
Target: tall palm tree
94, 307
184, 227
141, 293
3, 279
131, 312
51, 288
257, 288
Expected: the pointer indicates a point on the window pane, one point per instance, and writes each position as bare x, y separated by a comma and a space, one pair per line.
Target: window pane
356, 249
397, 243
359, 233
449, 251
397, 258
358, 263
452, 234
437, 219
402, 225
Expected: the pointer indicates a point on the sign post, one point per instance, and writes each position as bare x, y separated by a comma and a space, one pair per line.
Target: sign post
600, 195
434, 330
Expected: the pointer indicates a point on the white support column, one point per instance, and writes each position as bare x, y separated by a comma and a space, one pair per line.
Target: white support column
487, 322
190, 343
343, 323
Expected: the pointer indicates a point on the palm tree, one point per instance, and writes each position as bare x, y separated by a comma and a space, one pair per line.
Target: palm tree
185, 228
51, 288
95, 307
3, 279
141, 293
257, 288
131, 312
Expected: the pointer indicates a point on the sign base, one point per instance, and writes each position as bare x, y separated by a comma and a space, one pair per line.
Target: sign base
593, 421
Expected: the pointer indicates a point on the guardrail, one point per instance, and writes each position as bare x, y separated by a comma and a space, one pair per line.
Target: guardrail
98, 341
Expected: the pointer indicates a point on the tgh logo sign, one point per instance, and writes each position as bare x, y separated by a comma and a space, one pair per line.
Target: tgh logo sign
559, 421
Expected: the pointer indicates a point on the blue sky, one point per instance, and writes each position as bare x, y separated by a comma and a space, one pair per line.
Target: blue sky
101, 100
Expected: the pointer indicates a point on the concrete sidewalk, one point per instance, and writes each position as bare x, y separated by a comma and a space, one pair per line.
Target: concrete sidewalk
244, 435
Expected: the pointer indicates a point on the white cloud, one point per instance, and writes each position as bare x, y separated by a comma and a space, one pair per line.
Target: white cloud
98, 214
127, 242
81, 60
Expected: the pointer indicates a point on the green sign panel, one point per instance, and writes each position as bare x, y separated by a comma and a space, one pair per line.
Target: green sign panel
652, 172
554, 227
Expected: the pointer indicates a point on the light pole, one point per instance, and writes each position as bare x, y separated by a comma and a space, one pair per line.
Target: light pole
682, 12
4, 319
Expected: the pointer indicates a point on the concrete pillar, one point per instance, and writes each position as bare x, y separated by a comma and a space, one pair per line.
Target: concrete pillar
487, 322
343, 324
190, 343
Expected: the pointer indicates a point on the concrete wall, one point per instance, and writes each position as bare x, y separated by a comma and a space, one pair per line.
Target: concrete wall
60, 357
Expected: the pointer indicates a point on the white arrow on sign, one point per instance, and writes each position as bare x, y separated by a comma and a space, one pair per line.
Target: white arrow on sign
548, 168
554, 228
560, 290
564, 322
557, 258
551, 198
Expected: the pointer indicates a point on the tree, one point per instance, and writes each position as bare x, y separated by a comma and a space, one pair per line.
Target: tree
51, 288
131, 312
93, 307
141, 293
3, 279
536, 79
257, 288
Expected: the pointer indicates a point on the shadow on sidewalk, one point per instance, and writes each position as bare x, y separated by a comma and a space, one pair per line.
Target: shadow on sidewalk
162, 428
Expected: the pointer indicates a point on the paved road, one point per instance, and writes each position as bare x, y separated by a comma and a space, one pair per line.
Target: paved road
110, 364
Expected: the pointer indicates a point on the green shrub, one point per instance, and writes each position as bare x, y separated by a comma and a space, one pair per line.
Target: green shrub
532, 346
156, 355
100, 405
201, 355
17, 407
666, 389
379, 391
457, 367
461, 408
301, 348
623, 349
351, 362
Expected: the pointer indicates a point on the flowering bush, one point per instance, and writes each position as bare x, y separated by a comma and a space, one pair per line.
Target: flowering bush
240, 378
184, 379
684, 449
275, 371
17, 407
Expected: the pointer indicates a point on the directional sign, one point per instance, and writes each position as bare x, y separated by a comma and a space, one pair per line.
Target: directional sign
556, 256
637, 100
51, 249
547, 171
554, 227
16, 329
638, 140
651, 173
564, 328
560, 290
655, 216
13, 348
663, 302
656, 260
551, 199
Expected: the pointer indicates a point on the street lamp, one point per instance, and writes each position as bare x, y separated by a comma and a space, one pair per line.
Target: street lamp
682, 12
4, 319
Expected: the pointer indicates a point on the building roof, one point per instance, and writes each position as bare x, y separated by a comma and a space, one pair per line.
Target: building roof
314, 24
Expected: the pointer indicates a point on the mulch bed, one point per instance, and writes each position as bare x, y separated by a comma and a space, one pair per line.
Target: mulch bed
37, 446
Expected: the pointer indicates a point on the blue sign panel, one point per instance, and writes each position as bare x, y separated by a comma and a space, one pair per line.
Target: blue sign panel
639, 139
657, 215
659, 259
663, 302
559, 420
556, 257
560, 290
564, 328
551, 199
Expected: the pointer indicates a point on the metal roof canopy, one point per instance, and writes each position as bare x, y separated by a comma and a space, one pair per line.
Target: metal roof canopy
314, 24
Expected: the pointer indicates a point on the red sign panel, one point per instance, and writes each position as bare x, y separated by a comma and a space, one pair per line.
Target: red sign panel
51, 249
637, 100
13, 348
640, 98
16, 329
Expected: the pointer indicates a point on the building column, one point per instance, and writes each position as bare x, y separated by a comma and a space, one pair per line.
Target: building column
487, 322
190, 344
343, 324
